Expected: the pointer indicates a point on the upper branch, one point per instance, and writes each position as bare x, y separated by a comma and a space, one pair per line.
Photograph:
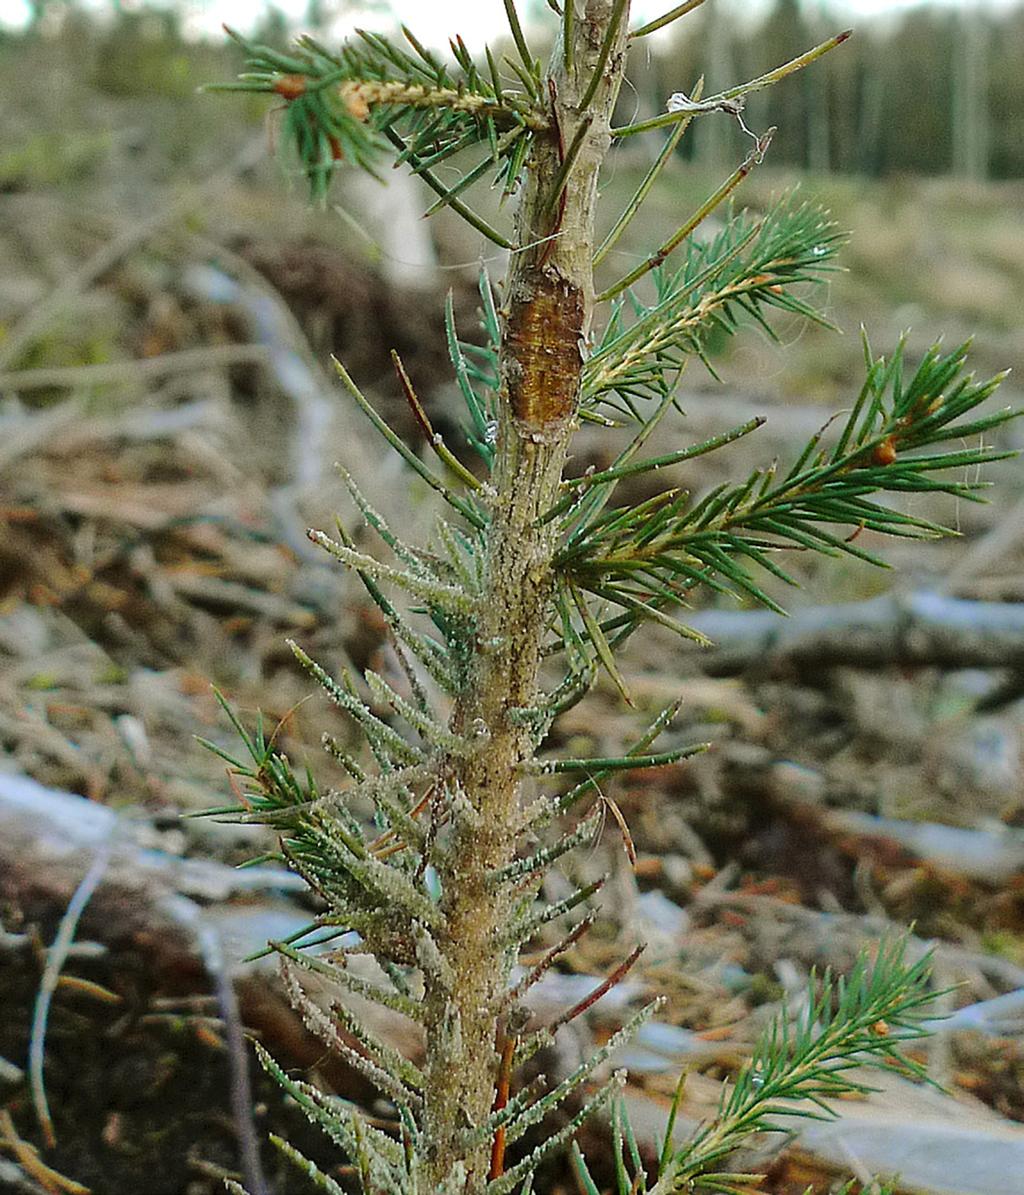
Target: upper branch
373, 94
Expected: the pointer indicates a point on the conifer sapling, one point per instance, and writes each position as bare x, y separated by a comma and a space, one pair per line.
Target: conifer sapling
529, 564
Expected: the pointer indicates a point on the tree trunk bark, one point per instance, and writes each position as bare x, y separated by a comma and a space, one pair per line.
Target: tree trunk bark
547, 307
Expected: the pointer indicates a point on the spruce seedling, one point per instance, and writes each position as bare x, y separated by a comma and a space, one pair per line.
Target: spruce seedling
529, 564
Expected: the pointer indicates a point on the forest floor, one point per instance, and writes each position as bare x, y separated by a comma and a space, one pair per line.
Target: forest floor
167, 430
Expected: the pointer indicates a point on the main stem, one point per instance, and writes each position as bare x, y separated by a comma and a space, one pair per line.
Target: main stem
547, 311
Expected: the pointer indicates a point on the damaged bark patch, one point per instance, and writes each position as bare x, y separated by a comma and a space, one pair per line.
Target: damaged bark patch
543, 344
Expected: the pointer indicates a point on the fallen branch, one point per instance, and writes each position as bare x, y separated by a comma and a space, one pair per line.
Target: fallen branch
55, 958
166, 907
71, 377
917, 629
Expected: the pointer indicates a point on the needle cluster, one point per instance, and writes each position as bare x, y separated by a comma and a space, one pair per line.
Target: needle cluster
377, 94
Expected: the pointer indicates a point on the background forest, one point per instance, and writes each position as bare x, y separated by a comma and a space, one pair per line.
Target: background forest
168, 428
923, 90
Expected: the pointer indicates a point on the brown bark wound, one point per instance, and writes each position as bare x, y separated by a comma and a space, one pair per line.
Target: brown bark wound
544, 336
